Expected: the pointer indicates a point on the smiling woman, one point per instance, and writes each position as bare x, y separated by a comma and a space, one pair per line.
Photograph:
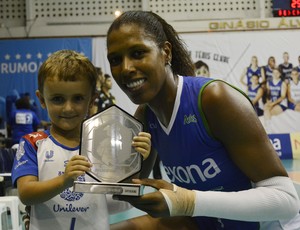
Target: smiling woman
189, 119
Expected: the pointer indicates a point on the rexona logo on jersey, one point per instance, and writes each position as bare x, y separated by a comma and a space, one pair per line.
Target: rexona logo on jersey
192, 173
282, 145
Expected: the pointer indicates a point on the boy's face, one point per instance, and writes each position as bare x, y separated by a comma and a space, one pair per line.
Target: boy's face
202, 71
67, 103
108, 83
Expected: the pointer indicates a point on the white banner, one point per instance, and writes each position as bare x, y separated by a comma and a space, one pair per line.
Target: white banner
229, 54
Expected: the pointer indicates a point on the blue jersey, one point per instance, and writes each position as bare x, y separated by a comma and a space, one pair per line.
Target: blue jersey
275, 90
250, 72
192, 158
268, 73
22, 122
252, 92
286, 70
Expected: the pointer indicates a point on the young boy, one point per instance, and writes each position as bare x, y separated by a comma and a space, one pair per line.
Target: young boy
47, 163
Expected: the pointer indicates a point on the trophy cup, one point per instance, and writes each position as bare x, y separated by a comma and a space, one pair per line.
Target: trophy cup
106, 141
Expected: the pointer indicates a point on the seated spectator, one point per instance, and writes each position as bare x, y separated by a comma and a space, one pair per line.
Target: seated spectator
22, 121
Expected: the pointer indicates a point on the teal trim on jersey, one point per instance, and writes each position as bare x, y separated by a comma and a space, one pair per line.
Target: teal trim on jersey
205, 122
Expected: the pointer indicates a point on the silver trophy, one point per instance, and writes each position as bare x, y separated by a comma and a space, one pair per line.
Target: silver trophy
106, 141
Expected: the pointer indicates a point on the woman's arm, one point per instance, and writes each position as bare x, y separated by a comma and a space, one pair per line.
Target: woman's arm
263, 75
233, 122
229, 112
243, 76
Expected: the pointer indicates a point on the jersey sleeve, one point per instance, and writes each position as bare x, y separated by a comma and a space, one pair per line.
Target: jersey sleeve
25, 162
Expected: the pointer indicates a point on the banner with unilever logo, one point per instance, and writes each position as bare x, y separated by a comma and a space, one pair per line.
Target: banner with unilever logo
19, 64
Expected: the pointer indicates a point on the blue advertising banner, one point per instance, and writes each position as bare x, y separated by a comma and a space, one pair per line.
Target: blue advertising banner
282, 144
19, 64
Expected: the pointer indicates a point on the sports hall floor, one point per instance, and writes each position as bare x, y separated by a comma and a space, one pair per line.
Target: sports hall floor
292, 166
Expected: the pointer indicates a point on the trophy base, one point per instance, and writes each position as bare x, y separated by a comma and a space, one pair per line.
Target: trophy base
125, 189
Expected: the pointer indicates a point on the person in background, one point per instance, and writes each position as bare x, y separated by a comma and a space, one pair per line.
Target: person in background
22, 121
298, 66
2, 113
277, 96
286, 68
48, 162
94, 109
224, 175
253, 68
33, 105
106, 99
269, 68
293, 91
202, 69
255, 94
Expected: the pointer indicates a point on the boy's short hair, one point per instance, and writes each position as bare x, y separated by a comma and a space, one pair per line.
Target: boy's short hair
199, 64
67, 65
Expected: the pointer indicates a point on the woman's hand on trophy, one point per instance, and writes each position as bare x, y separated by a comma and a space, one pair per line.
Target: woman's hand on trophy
142, 144
153, 203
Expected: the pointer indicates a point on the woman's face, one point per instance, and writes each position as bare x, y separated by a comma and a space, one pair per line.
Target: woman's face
272, 62
286, 57
136, 62
254, 60
295, 75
